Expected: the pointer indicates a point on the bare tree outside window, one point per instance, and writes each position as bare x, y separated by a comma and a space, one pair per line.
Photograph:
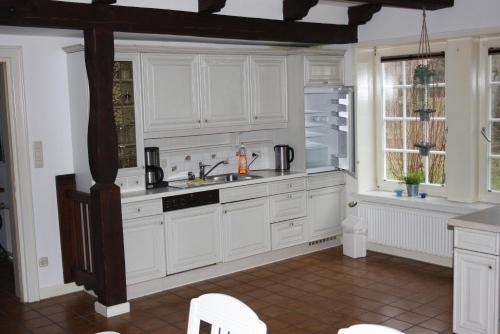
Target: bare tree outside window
402, 128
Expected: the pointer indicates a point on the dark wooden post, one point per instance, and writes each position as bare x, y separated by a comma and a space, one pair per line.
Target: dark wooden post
109, 257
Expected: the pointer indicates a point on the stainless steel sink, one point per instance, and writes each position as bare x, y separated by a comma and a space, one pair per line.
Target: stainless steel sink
224, 178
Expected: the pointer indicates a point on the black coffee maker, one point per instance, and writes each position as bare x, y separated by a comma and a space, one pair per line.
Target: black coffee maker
154, 173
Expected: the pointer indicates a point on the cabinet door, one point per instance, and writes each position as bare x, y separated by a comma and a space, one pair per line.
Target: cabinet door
144, 249
171, 92
324, 70
225, 87
325, 210
475, 293
127, 107
269, 89
193, 238
246, 228
289, 233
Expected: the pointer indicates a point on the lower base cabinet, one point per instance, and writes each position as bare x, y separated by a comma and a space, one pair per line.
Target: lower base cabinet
144, 248
246, 228
193, 238
325, 211
289, 233
475, 293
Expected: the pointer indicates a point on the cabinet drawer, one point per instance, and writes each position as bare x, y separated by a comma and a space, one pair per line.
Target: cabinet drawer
289, 233
243, 193
479, 241
288, 206
325, 180
142, 209
287, 186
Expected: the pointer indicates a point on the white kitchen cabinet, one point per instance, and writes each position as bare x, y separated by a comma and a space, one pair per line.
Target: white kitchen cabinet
289, 233
193, 238
324, 70
225, 90
127, 109
171, 85
246, 228
475, 293
269, 89
144, 249
325, 211
288, 206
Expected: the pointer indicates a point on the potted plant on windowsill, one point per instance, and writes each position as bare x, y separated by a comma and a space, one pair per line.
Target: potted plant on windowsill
412, 181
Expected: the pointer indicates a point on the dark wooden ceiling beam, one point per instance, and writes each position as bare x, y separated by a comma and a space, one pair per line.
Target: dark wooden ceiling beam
104, 2
409, 4
210, 6
361, 14
294, 10
81, 16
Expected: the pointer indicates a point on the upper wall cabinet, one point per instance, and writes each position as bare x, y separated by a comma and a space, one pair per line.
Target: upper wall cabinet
324, 70
225, 90
171, 92
269, 89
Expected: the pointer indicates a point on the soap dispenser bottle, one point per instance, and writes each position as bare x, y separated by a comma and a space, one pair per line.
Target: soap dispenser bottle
242, 160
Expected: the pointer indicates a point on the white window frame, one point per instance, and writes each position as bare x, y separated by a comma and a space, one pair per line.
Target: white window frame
485, 105
382, 183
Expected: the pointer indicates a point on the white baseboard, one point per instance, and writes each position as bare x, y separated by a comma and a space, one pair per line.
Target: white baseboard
59, 290
423, 257
220, 269
112, 311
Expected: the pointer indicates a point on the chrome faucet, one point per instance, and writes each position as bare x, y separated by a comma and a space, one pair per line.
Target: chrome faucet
204, 174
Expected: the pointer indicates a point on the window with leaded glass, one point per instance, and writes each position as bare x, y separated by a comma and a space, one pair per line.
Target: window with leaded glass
401, 126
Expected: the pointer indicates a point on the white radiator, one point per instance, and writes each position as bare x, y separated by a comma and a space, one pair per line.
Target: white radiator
408, 229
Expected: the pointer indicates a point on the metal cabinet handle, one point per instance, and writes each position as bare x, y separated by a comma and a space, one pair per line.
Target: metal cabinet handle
290, 196
199, 121
311, 196
225, 211
255, 117
161, 223
290, 185
138, 209
490, 267
206, 121
137, 182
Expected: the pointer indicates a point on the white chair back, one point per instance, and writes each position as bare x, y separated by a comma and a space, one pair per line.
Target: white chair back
369, 329
226, 315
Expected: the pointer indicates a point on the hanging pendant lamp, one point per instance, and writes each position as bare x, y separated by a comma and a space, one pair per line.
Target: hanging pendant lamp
423, 97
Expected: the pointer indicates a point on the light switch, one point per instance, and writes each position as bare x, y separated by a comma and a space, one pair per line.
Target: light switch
38, 154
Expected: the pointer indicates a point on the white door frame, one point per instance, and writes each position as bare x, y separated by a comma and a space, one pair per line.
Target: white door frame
25, 259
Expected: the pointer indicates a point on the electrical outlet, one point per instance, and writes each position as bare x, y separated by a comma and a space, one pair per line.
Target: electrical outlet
43, 262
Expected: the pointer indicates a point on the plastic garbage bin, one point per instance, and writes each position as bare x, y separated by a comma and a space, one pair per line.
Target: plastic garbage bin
354, 236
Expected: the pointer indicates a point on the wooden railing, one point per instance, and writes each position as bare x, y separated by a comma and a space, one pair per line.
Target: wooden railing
76, 231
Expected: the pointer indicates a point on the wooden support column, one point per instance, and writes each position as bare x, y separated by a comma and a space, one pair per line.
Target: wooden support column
109, 257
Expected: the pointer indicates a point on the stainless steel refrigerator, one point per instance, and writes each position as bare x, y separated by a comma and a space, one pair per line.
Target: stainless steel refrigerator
330, 135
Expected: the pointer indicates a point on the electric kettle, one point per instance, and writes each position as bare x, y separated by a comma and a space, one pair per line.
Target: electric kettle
284, 155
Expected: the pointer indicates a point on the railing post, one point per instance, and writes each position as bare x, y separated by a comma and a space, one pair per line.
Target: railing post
109, 257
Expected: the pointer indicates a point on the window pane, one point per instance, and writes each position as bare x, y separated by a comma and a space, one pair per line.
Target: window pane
437, 171
495, 68
495, 138
438, 135
414, 134
437, 64
393, 73
393, 102
415, 162
495, 174
394, 134
495, 101
393, 166
439, 94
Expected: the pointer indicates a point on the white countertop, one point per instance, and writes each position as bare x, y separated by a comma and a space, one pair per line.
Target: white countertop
266, 176
432, 203
484, 220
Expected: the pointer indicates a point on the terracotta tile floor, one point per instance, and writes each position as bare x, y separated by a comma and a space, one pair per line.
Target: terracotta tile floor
316, 293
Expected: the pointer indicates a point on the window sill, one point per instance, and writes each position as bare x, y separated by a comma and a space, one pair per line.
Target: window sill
433, 203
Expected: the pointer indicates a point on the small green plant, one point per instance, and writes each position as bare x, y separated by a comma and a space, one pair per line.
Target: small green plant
413, 178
